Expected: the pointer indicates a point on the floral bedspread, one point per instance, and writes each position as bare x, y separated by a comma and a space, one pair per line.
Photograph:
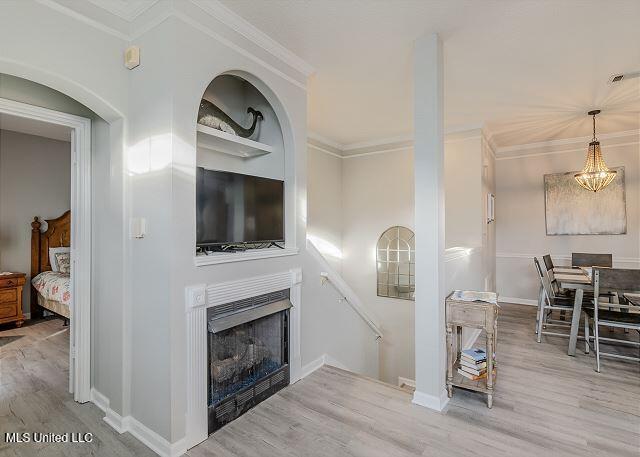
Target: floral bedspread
53, 285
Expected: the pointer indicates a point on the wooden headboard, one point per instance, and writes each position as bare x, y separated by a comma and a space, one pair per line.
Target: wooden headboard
58, 234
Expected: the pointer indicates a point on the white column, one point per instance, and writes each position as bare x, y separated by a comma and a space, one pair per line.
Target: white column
429, 223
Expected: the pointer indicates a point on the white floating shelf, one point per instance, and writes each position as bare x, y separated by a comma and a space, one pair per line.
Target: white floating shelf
217, 140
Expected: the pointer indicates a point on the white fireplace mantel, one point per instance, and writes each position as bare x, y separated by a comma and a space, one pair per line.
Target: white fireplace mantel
202, 296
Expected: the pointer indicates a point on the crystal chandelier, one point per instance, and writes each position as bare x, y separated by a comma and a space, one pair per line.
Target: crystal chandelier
595, 175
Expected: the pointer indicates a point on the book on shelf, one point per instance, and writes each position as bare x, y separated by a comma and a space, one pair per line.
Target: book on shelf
474, 355
474, 377
473, 371
474, 365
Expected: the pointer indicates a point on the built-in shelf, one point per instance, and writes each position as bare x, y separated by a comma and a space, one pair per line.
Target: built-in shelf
250, 254
217, 140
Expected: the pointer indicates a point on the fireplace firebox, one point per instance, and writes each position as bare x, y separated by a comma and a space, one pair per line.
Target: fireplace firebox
248, 354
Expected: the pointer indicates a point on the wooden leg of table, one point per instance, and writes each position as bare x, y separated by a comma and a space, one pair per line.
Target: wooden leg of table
450, 359
575, 322
490, 350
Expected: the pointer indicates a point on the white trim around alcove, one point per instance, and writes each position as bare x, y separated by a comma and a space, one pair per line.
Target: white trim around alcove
198, 298
80, 335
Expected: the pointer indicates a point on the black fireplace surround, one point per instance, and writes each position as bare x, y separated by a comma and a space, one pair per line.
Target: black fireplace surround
248, 354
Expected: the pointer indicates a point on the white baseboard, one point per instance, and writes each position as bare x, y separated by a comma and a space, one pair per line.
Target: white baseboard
328, 360
406, 382
130, 424
310, 367
518, 301
431, 401
100, 400
324, 359
155, 442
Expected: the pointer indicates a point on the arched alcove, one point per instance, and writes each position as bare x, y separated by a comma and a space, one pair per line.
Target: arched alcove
231, 143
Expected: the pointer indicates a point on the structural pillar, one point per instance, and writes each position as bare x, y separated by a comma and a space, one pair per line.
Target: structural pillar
430, 350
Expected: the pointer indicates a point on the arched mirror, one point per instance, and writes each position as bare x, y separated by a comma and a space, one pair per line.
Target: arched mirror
395, 257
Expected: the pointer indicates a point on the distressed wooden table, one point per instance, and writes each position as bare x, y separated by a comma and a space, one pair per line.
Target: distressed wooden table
478, 315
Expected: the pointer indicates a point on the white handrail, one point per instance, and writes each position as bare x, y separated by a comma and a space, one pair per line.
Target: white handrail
330, 275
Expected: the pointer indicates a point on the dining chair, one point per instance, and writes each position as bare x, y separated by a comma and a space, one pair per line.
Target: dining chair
549, 302
585, 259
622, 315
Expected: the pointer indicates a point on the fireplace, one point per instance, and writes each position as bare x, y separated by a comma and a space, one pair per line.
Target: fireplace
247, 354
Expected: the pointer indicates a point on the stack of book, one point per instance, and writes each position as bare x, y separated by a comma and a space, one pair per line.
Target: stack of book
473, 364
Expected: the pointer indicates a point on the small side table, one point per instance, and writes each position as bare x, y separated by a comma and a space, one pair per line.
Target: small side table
11, 298
472, 314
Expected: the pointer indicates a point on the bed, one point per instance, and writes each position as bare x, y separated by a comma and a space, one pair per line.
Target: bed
51, 285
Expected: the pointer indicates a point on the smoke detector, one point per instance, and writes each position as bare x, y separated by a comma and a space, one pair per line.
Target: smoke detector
623, 77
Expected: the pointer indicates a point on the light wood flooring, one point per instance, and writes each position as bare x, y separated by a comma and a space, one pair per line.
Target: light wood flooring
34, 397
546, 403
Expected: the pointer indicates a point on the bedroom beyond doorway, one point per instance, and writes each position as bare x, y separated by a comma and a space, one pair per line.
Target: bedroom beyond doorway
44, 250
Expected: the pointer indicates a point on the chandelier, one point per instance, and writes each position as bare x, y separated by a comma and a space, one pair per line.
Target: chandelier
595, 175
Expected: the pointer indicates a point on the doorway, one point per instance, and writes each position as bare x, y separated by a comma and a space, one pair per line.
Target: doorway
80, 238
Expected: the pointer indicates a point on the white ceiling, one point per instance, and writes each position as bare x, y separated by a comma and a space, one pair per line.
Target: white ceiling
527, 70
33, 127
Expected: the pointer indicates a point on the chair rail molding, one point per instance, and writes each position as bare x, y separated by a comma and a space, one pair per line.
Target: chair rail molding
198, 298
564, 257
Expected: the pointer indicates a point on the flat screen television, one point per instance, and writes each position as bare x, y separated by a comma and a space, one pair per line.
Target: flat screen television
232, 208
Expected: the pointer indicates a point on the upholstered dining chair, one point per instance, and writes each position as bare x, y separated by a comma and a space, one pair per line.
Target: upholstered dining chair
585, 259
622, 315
549, 302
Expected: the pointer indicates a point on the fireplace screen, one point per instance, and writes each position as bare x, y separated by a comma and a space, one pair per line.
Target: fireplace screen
247, 363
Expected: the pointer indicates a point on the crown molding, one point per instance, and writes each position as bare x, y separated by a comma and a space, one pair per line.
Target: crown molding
127, 11
54, 5
391, 144
501, 151
130, 12
324, 140
562, 151
253, 34
384, 142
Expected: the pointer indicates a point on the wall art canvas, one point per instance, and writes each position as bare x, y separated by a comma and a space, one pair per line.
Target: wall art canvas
572, 210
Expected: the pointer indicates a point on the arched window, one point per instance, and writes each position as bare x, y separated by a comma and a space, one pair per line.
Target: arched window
396, 260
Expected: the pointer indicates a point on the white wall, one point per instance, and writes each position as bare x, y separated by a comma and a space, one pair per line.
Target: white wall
377, 192
164, 193
144, 165
463, 187
324, 205
35, 180
520, 213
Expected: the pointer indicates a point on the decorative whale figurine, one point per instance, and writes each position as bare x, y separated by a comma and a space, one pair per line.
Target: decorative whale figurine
212, 116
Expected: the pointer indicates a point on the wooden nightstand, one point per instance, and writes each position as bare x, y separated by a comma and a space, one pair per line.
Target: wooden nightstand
11, 298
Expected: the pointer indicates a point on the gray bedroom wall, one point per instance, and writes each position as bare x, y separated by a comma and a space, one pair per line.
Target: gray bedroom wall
520, 214
35, 180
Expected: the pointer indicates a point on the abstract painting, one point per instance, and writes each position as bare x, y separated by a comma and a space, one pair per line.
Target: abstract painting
572, 210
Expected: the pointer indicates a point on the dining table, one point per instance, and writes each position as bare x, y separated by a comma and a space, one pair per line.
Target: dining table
579, 281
